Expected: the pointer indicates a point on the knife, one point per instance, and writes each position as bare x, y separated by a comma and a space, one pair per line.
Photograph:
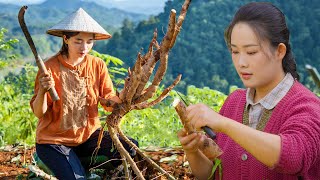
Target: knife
206, 129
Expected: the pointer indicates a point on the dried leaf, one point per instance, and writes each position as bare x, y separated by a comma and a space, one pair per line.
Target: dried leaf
169, 159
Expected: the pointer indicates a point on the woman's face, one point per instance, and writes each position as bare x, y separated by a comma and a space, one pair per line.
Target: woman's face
80, 44
254, 60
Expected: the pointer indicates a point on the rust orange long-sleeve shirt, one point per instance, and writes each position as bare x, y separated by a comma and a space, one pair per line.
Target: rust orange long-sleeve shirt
72, 119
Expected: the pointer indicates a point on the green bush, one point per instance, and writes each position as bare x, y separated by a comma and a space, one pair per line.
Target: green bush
17, 123
6, 47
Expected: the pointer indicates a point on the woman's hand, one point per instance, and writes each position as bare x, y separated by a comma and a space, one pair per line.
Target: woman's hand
110, 102
190, 142
46, 82
201, 166
201, 115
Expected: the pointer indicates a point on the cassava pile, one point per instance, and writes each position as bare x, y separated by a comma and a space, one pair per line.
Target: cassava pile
135, 94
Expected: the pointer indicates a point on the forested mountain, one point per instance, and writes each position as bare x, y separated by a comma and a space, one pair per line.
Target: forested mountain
200, 53
42, 16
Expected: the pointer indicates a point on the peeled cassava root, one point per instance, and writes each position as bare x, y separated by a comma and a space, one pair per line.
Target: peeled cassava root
209, 148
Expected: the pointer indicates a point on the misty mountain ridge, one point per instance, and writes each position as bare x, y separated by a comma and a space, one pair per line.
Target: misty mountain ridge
49, 12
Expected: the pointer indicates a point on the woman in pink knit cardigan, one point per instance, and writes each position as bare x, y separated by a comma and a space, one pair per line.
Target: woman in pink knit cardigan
271, 130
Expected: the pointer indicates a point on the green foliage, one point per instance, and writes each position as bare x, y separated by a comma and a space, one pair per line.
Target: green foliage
213, 98
152, 127
115, 68
158, 126
312, 86
17, 123
24, 81
6, 47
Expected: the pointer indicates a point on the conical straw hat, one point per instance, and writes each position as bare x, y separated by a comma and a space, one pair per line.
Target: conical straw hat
79, 21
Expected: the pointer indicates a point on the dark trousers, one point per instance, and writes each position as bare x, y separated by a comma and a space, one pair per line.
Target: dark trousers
64, 161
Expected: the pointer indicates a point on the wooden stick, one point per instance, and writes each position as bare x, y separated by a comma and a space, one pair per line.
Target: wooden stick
53, 93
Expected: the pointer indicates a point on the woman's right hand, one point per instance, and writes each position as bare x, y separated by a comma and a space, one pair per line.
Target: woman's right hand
46, 81
190, 142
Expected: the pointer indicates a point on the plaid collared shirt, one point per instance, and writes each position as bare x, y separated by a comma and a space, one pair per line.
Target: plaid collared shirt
269, 101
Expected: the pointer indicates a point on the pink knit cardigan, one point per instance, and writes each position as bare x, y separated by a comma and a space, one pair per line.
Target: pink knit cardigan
296, 119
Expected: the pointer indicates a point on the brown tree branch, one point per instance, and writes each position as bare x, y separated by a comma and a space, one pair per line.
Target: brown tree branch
163, 95
150, 161
124, 154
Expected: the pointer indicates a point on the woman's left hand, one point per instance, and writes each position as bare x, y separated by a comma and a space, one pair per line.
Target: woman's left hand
110, 102
200, 115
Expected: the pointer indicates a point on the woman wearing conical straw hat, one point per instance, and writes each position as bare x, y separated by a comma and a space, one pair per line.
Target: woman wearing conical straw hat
68, 129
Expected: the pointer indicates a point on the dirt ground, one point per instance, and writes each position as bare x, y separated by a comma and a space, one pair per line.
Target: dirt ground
14, 162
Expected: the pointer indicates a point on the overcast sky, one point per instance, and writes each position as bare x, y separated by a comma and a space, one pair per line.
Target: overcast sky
139, 6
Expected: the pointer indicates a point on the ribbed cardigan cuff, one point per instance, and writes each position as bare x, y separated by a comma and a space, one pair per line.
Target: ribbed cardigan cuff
287, 162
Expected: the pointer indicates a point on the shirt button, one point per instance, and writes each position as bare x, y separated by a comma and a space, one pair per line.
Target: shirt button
244, 156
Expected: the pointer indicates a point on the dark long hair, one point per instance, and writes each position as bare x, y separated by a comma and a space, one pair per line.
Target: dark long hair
64, 48
269, 23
